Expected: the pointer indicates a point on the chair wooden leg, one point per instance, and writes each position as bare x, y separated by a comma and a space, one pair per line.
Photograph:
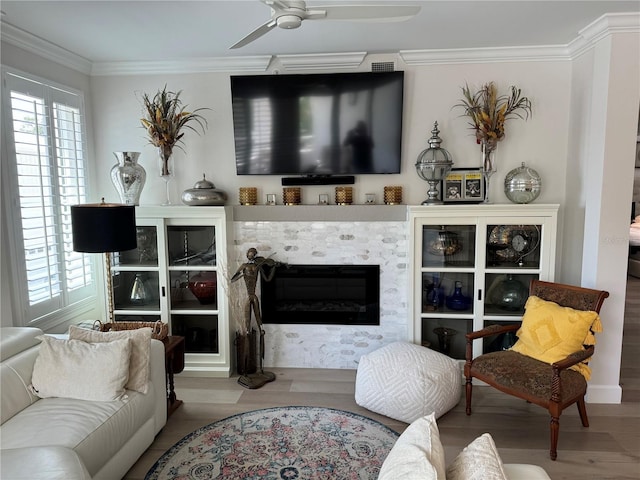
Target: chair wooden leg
555, 429
582, 409
468, 387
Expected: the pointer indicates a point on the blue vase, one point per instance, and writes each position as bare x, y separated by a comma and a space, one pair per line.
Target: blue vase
458, 301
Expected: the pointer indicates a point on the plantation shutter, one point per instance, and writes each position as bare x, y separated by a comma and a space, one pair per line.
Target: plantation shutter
49, 175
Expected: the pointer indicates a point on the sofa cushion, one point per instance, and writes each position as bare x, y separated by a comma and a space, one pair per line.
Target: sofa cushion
417, 454
95, 430
76, 369
16, 339
15, 376
140, 351
478, 461
41, 463
525, 471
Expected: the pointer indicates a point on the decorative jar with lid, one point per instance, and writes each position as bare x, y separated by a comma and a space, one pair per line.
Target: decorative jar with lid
522, 184
203, 193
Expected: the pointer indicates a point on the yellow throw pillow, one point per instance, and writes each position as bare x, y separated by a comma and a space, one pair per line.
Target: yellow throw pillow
550, 332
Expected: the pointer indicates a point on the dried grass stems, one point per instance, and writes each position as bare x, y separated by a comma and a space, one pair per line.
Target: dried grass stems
164, 118
488, 111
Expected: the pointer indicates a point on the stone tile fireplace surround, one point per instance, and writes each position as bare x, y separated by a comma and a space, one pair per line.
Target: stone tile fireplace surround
372, 235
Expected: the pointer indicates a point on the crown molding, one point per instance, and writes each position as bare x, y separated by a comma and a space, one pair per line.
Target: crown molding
590, 35
603, 27
195, 65
322, 61
43, 48
485, 55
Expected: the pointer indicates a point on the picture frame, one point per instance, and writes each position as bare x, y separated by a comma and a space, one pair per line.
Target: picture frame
463, 185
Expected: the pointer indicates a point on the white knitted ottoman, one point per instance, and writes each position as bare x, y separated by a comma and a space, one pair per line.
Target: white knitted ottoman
405, 381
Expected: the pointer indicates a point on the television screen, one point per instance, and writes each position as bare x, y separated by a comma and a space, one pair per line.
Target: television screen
318, 124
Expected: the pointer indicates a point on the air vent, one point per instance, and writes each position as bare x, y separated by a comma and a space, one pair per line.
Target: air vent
382, 67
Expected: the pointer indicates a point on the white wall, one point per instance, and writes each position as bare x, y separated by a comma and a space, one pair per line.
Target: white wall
430, 93
607, 165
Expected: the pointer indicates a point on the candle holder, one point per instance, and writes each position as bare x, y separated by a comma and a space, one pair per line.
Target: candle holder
248, 195
291, 195
344, 195
393, 195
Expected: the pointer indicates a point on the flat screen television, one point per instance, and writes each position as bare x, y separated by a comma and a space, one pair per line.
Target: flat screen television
318, 124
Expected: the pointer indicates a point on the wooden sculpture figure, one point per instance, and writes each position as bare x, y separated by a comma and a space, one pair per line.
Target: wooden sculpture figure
251, 271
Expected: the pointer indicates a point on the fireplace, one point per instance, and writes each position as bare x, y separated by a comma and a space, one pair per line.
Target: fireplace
322, 294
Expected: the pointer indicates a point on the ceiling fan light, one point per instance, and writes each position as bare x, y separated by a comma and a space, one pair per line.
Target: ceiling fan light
289, 21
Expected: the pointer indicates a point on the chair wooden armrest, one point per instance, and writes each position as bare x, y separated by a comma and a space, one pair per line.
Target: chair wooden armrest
491, 330
573, 358
485, 332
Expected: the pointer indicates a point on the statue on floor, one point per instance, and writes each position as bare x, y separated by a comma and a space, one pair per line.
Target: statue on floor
251, 271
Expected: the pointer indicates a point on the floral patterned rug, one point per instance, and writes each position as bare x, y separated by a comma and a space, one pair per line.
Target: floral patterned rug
287, 443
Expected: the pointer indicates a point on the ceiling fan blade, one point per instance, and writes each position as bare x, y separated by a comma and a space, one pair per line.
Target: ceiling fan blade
364, 13
257, 33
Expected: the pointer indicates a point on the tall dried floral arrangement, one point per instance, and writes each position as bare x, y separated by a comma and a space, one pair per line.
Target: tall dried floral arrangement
164, 117
489, 111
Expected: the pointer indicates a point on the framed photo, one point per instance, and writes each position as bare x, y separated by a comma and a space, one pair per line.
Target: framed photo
463, 185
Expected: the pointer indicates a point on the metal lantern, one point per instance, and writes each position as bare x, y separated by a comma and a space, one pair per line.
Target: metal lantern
433, 166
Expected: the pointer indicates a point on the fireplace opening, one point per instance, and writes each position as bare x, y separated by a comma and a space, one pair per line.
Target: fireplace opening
322, 294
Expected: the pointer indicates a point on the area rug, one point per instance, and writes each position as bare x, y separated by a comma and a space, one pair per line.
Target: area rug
283, 443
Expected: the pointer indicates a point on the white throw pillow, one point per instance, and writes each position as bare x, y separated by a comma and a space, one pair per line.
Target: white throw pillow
85, 371
478, 461
417, 454
140, 351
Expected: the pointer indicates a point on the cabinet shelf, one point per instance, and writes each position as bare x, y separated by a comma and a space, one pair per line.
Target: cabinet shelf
192, 268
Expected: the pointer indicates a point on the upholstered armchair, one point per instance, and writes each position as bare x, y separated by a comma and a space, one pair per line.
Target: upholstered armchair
562, 340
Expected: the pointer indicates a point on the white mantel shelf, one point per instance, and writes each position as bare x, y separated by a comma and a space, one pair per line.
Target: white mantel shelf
372, 213
320, 213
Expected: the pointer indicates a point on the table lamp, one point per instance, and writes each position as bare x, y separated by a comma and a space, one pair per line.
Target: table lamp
104, 228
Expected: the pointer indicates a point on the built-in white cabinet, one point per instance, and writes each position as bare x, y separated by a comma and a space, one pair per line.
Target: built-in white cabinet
176, 274
471, 267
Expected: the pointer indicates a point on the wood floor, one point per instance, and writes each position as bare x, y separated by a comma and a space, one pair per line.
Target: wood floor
608, 449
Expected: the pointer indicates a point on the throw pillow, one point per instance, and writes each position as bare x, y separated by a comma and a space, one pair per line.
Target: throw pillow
550, 332
478, 461
85, 371
140, 351
417, 454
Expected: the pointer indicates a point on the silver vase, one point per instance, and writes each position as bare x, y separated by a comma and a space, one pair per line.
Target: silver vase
128, 177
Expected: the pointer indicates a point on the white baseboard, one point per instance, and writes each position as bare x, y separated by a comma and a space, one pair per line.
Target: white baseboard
603, 394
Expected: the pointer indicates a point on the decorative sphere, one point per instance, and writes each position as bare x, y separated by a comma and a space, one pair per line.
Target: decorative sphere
522, 184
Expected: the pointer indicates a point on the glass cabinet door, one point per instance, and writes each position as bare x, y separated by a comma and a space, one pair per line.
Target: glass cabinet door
136, 280
193, 277
447, 286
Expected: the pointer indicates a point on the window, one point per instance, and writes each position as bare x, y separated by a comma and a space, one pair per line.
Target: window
46, 174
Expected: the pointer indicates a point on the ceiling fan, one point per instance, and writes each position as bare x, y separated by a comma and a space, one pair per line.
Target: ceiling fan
289, 14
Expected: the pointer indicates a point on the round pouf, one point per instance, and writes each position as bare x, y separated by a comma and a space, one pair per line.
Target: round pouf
405, 382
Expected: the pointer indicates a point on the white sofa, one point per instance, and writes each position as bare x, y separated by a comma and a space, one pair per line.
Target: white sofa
64, 438
418, 454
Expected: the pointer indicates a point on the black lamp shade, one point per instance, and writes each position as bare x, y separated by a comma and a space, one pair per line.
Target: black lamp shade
103, 227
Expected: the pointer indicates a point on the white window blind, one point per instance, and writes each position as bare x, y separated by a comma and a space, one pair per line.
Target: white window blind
47, 154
